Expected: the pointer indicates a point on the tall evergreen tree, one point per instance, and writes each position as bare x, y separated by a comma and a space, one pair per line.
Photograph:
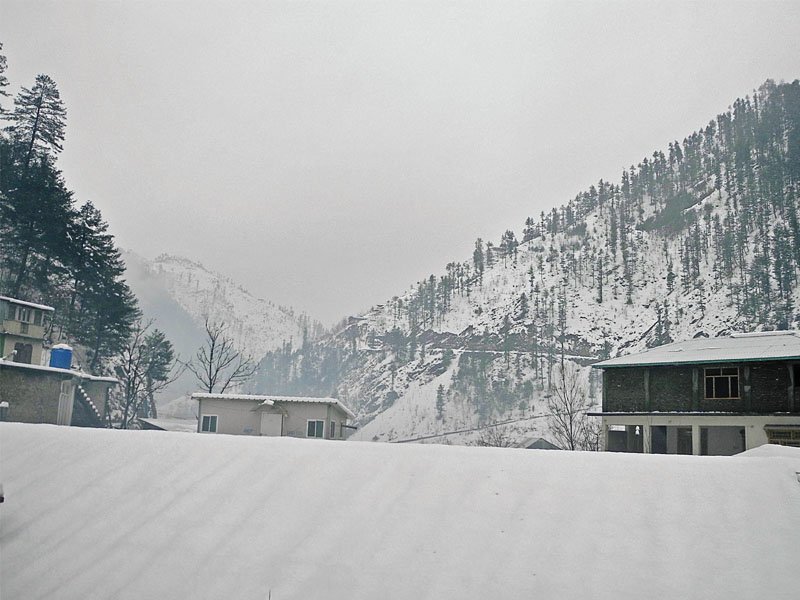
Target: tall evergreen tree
38, 120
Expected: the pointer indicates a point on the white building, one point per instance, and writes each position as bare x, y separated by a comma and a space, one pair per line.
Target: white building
293, 416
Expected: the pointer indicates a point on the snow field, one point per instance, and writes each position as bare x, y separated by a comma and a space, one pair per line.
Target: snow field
139, 514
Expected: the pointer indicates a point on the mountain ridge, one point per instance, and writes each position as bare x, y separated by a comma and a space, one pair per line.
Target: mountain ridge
699, 239
179, 293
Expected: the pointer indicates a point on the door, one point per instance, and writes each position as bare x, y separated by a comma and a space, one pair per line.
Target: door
271, 424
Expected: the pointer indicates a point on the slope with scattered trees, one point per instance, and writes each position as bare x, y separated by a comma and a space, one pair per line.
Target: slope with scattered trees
698, 239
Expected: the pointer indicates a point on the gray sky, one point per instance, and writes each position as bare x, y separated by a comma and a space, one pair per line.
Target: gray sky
327, 155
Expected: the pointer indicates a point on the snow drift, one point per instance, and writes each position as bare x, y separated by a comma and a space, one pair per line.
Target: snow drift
124, 514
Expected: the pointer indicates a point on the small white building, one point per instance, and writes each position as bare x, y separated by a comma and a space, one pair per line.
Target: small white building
292, 416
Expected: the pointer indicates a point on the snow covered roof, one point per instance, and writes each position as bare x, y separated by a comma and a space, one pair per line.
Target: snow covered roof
172, 424
208, 396
538, 443
738, 347
254, 517
28, 304
330, 401
17, 365
270, 400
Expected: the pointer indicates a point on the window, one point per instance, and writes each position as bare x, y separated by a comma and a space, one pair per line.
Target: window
37, 318
783, 436
333, 429
24, 314
316, 429
209, 424
341, 430
722, 383
24, 353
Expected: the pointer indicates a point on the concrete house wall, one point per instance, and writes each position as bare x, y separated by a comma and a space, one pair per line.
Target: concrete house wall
33, 395
297, 415
237, 417
243, 416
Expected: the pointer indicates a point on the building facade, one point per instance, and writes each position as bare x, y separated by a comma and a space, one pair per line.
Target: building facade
40, 394
23, 326
706, 396
247, 414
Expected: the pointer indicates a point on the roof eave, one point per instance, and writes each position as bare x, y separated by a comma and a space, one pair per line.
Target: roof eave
677, 363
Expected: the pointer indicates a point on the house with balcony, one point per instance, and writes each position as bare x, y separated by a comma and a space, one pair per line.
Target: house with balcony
293, 416
23, 326
705, 396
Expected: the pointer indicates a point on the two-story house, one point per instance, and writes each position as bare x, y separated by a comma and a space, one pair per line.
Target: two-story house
32, 392
709, 396
22, 330
293, 416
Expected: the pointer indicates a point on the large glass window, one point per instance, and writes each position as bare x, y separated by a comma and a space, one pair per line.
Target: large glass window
209, 424
316, 429
722, 383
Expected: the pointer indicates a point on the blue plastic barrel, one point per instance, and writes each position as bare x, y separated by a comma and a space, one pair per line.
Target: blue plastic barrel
61, 356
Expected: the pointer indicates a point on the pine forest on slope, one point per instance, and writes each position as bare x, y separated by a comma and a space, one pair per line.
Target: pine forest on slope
700, 239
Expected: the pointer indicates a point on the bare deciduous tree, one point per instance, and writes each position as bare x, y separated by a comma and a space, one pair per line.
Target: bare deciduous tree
567, 406
145, 366
218, 363
495, 437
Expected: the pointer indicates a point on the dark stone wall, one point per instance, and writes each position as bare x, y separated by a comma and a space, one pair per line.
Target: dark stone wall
32, 396
623, 390
770, 387
671, 389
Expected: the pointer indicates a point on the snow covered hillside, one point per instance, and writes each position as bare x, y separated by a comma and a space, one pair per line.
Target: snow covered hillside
700, 239
179, 294
257, 324
128, 514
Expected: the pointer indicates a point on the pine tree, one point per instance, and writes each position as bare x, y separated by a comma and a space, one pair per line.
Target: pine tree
38, 120
3, 78
477, 258
440, 401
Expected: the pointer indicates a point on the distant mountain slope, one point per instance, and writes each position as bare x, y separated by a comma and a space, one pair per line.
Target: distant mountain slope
697, 240
179, 294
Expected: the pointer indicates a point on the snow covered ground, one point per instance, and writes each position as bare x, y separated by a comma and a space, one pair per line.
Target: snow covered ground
140, 514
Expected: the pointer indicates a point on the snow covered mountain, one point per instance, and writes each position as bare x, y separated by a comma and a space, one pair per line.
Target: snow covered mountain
180, 294
699, 239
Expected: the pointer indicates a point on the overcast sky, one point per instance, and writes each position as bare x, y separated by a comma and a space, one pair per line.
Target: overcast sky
329, 154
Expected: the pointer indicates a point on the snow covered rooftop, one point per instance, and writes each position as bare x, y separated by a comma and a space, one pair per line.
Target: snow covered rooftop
17, 365
173, 424
28, 304
738, 347
92, 513
208, 396
270, 400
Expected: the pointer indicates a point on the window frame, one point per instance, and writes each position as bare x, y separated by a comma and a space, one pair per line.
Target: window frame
734, 392
319, 428
209, 430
